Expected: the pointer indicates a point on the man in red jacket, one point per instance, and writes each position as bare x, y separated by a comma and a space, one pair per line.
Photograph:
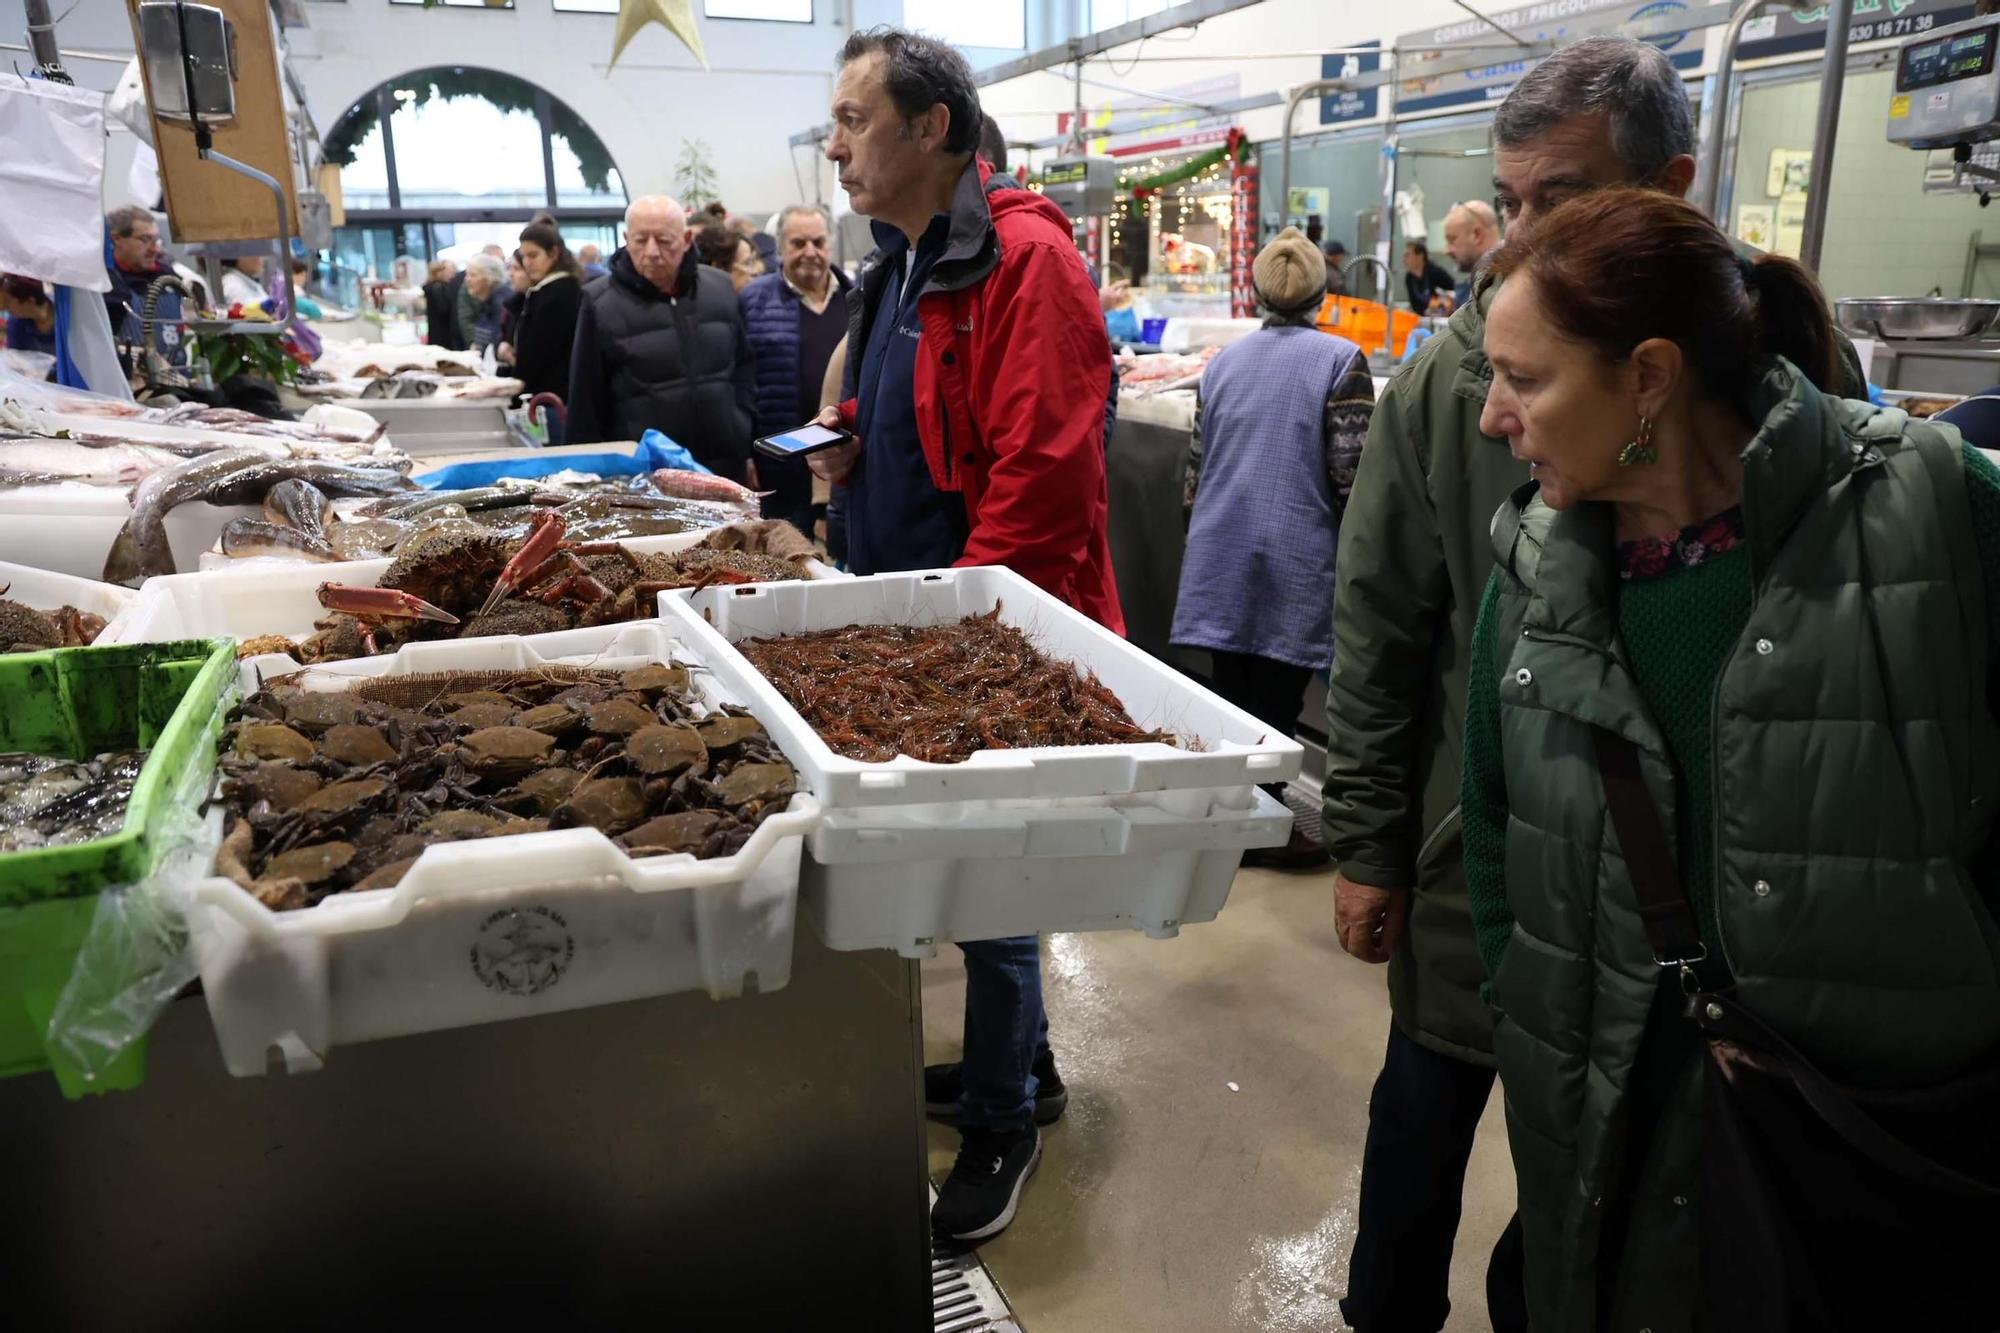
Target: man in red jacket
977, 369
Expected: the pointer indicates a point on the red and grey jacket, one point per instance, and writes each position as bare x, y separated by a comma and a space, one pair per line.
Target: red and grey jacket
1012, 373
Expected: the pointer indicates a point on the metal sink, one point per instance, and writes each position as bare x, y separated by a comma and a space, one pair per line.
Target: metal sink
1916, 318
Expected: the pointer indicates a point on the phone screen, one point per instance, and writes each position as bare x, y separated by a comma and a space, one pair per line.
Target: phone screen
803, 440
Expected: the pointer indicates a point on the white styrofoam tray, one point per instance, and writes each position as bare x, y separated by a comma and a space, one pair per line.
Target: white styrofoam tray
69, 528
500, 928
246, 598
914, 878
1237, 751
45, 590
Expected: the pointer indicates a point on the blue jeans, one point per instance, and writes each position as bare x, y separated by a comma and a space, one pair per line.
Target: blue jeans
1005, 1028
1421, 1120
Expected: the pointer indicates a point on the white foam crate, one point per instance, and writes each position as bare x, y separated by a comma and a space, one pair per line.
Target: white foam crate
914, 878
1238, 751
45, 590
499, 928
69, 528
269, 596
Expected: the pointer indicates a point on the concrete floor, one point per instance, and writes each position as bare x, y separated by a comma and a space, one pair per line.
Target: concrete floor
1207, 1173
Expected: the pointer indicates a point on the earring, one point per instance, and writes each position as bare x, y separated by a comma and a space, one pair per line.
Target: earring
1640, 449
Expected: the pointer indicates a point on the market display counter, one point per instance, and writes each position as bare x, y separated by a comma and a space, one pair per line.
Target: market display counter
1145, 463
752, 1163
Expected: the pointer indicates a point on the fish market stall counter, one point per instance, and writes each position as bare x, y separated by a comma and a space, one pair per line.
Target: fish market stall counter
633, 1148
577, 1060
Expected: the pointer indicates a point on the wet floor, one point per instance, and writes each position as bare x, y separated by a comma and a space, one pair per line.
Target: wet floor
1206, 1175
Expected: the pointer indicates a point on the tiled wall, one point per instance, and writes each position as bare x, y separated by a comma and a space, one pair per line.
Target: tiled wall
1884, 236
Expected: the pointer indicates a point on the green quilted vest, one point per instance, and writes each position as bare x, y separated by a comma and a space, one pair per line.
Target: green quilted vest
1856, 773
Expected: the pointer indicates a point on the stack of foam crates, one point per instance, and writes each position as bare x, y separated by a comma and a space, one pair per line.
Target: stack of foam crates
909, 855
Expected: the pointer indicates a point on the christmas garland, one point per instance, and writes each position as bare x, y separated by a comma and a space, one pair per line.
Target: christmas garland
1238, 149
504, 91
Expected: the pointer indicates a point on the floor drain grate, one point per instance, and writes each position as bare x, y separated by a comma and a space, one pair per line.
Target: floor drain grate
1304, 804
964, 1297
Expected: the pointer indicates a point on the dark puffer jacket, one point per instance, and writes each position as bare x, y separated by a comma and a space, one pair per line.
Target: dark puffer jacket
678, 364
771, 319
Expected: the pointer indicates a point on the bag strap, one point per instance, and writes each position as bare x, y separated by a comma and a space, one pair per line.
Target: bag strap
1672, 931
1664, 910
1722, 1017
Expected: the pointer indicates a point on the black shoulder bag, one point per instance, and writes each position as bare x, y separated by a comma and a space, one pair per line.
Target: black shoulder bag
1821, 1206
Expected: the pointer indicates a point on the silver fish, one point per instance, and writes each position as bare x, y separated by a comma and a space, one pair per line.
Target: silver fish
298, 503
72, 460
47, 802
247, 538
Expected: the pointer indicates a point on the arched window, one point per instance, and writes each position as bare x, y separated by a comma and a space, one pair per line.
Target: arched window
456, 156
453, 139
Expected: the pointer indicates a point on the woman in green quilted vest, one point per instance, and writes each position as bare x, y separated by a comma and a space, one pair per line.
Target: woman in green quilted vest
1781, 598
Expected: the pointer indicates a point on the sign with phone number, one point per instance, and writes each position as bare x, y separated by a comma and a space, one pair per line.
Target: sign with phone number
1784, 33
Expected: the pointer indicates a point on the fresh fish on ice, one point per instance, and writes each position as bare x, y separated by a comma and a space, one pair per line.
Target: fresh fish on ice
72, 460
227, 477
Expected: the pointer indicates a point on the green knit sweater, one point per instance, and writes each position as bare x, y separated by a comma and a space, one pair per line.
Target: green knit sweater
1677, 625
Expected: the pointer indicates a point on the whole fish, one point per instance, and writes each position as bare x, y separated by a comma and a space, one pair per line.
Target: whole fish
227, 477
405, 508
72, 460
141, 548
248, 538
297, 503
337, 480
703, 486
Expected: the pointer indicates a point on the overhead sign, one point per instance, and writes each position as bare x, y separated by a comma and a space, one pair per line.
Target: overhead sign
1789, 31
1350, 103
1551, 20
1170, 120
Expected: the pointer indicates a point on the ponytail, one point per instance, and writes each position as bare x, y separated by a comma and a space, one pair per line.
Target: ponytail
1792, 318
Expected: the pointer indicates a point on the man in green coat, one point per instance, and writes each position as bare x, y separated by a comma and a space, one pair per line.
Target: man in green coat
1413, 560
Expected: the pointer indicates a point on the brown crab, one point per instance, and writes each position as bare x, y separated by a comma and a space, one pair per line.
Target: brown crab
468, 575
24, 629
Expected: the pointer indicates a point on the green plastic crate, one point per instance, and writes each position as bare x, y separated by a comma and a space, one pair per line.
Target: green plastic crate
76, 703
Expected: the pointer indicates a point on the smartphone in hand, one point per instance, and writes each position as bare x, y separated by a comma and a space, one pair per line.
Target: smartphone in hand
810, 438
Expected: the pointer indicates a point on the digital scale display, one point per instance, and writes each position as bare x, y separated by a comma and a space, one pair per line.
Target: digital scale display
1962, 56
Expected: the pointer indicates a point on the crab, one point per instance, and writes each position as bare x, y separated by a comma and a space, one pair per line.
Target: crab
545, 556
376, 610
442, 581
24, 628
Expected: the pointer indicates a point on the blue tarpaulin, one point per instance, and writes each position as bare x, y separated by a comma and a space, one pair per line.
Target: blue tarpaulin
655, 451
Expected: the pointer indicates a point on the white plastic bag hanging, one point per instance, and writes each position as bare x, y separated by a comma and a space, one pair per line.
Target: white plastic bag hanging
52, 177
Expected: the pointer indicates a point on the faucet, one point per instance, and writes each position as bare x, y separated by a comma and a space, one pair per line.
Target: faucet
1388, 310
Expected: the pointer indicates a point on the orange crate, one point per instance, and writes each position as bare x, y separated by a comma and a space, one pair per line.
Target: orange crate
1361, 322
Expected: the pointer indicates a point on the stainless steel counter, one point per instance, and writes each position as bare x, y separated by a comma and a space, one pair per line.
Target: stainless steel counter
678, 1163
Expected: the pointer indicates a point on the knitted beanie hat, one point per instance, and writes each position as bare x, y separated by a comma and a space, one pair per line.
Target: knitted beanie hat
1290, 273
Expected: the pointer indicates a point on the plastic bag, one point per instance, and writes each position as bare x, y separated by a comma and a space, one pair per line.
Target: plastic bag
654, 451
135, 958
52, 177
667, 453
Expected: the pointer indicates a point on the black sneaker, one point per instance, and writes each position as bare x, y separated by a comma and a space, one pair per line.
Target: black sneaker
944, 1086
984, 1188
